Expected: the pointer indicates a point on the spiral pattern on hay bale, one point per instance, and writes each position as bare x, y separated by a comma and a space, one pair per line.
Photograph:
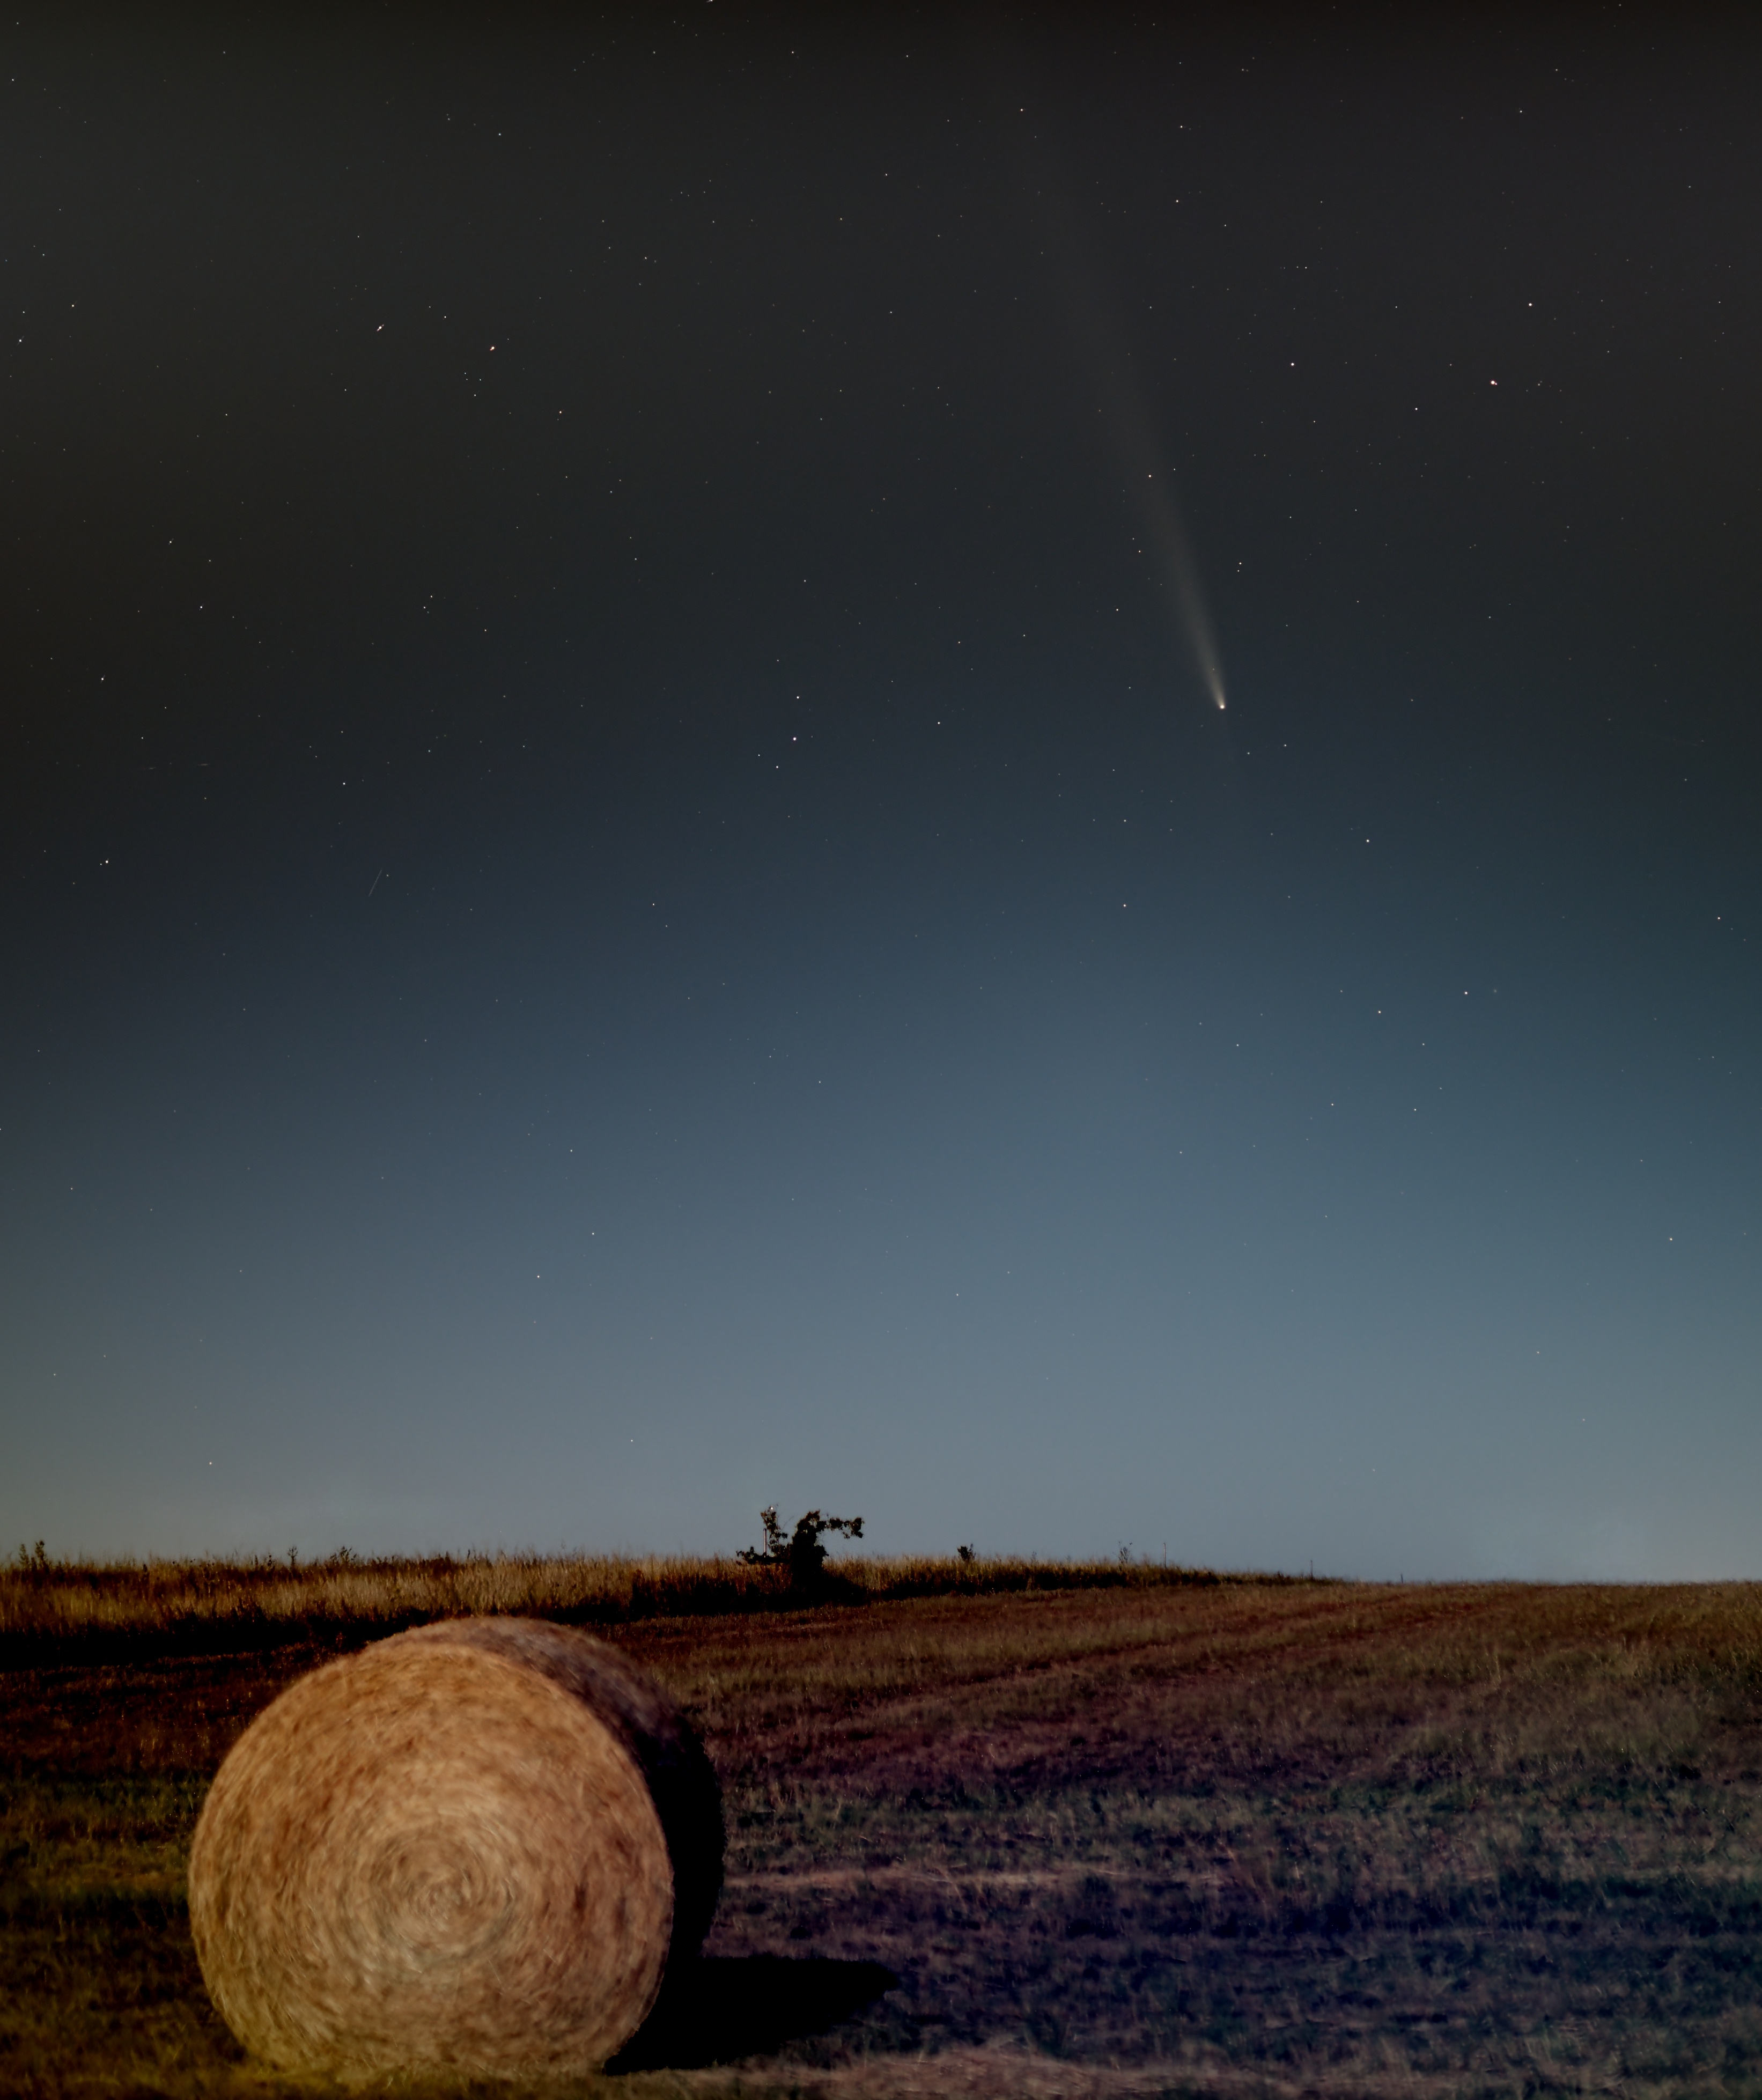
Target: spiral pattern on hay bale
472, 1847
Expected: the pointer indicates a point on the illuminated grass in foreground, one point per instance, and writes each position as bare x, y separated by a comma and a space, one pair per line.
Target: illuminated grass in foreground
1229, 1837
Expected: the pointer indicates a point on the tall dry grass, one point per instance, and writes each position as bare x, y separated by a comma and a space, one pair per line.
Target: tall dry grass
210, 1606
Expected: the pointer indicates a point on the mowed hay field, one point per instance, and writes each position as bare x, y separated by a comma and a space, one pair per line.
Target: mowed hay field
1181, 1836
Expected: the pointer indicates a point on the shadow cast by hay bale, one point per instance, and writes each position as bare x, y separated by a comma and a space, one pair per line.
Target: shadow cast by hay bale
717, 2010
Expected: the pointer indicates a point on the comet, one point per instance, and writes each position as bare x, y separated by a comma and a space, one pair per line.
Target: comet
1132, 425
1181, 579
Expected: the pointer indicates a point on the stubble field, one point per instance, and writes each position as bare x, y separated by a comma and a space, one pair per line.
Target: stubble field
1031, 1833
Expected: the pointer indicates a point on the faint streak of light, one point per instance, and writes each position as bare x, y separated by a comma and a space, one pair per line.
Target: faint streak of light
1107, 348
1181, 572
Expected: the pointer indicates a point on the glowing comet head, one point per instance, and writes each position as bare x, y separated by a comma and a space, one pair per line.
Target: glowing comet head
1191, 618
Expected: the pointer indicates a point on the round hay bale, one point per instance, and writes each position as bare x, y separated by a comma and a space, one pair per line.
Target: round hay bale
471, 1847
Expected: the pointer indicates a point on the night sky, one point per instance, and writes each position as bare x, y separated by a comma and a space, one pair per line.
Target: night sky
626, 894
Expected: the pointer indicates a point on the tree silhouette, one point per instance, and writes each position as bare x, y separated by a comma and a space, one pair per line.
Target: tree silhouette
801, 1552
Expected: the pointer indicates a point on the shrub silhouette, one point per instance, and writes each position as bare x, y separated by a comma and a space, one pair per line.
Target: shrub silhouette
801, 1552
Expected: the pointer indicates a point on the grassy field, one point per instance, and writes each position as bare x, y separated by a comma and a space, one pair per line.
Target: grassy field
66, 1613
1113, 1832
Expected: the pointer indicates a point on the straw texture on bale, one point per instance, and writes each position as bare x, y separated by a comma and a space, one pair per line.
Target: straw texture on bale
471, 1847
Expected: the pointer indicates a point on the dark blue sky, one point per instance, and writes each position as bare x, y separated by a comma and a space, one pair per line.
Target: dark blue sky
624, 898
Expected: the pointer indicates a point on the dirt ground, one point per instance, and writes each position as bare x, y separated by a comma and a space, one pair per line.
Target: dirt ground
1234, 1840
